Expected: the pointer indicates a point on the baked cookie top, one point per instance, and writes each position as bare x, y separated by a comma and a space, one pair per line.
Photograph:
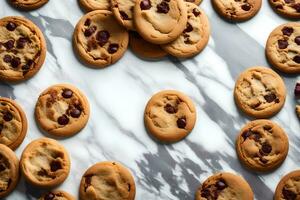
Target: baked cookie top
22, 49
106, 181
289, 187
45, 163
283, 47
13, 123
123, 11
91, 5
259, 92
99, 39
160, 21
224, 186
57, 195
62, 110
28, 4
170, 116
262, 145
287, 8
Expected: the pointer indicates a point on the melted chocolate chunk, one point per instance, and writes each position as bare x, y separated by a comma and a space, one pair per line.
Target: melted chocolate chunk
67, 93
113, 48
170, 109
88, 22
296, 6
288, 195
2, 167
282, 44
55, 165
21, 42
221, 185
49, 196
246, 7
75, 113
266, 148
7, 58
7, 116
163, 7
9, 44
255, 136
15, 62
63, 120
297, 90
124, 15
90, 31
196, 12
246, 134
297, 40
296, 59
102, 37
188, 28
270, 97
287, 30
1, 127
145, 4
11, 26
205, 193
263, 160
278, 7
181, 122
87, 181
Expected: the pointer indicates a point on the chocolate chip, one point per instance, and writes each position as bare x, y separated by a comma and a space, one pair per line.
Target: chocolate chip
246, 134
181, 122
49, 196
297, 40
9, 44
246, 7
287, 30
266, 148
113, 48
25, 67
288, 195
296, 59
205, 193
2, 167
221, 185
124, 15
11, 26
170, 109
279, 7
55, 165
297, 90
87, 22
67, 93
21, 42
289, 1
255, 136
75, 113
15, 62
163, 7
145, 4
42, 172
263, 160
296, 7
1, 127
7, 116
87, 181
270, 97
102, 37
90, 31
7, 58
63, 120
188, 28
282, 44
196, 12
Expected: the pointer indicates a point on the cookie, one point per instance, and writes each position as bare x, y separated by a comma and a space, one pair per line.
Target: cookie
28, 4
107, 180
170, 116
289, 187
13, 123
57, 195
283, 47
91, 5
287, 8
45, 163
224, 186
259, 92
160, 21
22, 49
262, 145
9, 171
144, 49
123, 11
194, 37
99, 40
237, 10
62, 110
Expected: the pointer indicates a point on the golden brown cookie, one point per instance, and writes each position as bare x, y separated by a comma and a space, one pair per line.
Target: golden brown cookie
195, 36
13, 123
283, 47
170, 116
289, 187
9, 171
22, 49
262, 145
28, 4
225, 186
287, 8
62, 110
91, 5
57, 195
123, 11
45, 163
105, 181
99, 40
259, 92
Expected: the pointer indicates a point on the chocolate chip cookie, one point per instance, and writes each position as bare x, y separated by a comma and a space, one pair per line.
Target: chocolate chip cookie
194, 37
144, 49
262, 145
288, 187
28, 4
99, 39
170, 116
57, 195
259, 92
13, 123
107, 180
45, 163
237, 10
91, 5
287, 8
123, 11
225, 186
9, 171
283, 47
22, 49
160, 21
62, 110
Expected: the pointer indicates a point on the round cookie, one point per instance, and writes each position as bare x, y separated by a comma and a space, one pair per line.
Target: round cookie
22, 49
13, 123
235, 10
99, 40
145, 49
289, 187
262, 145
283, 47
195, 36
224, 186
107, 180
57, 195
62, 110
259, 92
91, 5
45, 163
287, 8
28, 4
123, 11
170, 116
160, 21
9, 171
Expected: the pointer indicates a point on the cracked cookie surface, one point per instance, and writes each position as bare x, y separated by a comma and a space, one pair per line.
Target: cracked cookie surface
289, 187
45, 163
99, 39
57, 195
262, 145
22, 49
283, 47
106, 181
91, 5
287, 8
62, 110
194, 37
123, 11
160, 21
259, 92
170, 116
28, 4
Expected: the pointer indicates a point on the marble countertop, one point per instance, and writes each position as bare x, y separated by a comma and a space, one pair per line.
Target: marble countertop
118, 95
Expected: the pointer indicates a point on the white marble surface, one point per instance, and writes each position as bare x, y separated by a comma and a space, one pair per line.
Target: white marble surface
118, 95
